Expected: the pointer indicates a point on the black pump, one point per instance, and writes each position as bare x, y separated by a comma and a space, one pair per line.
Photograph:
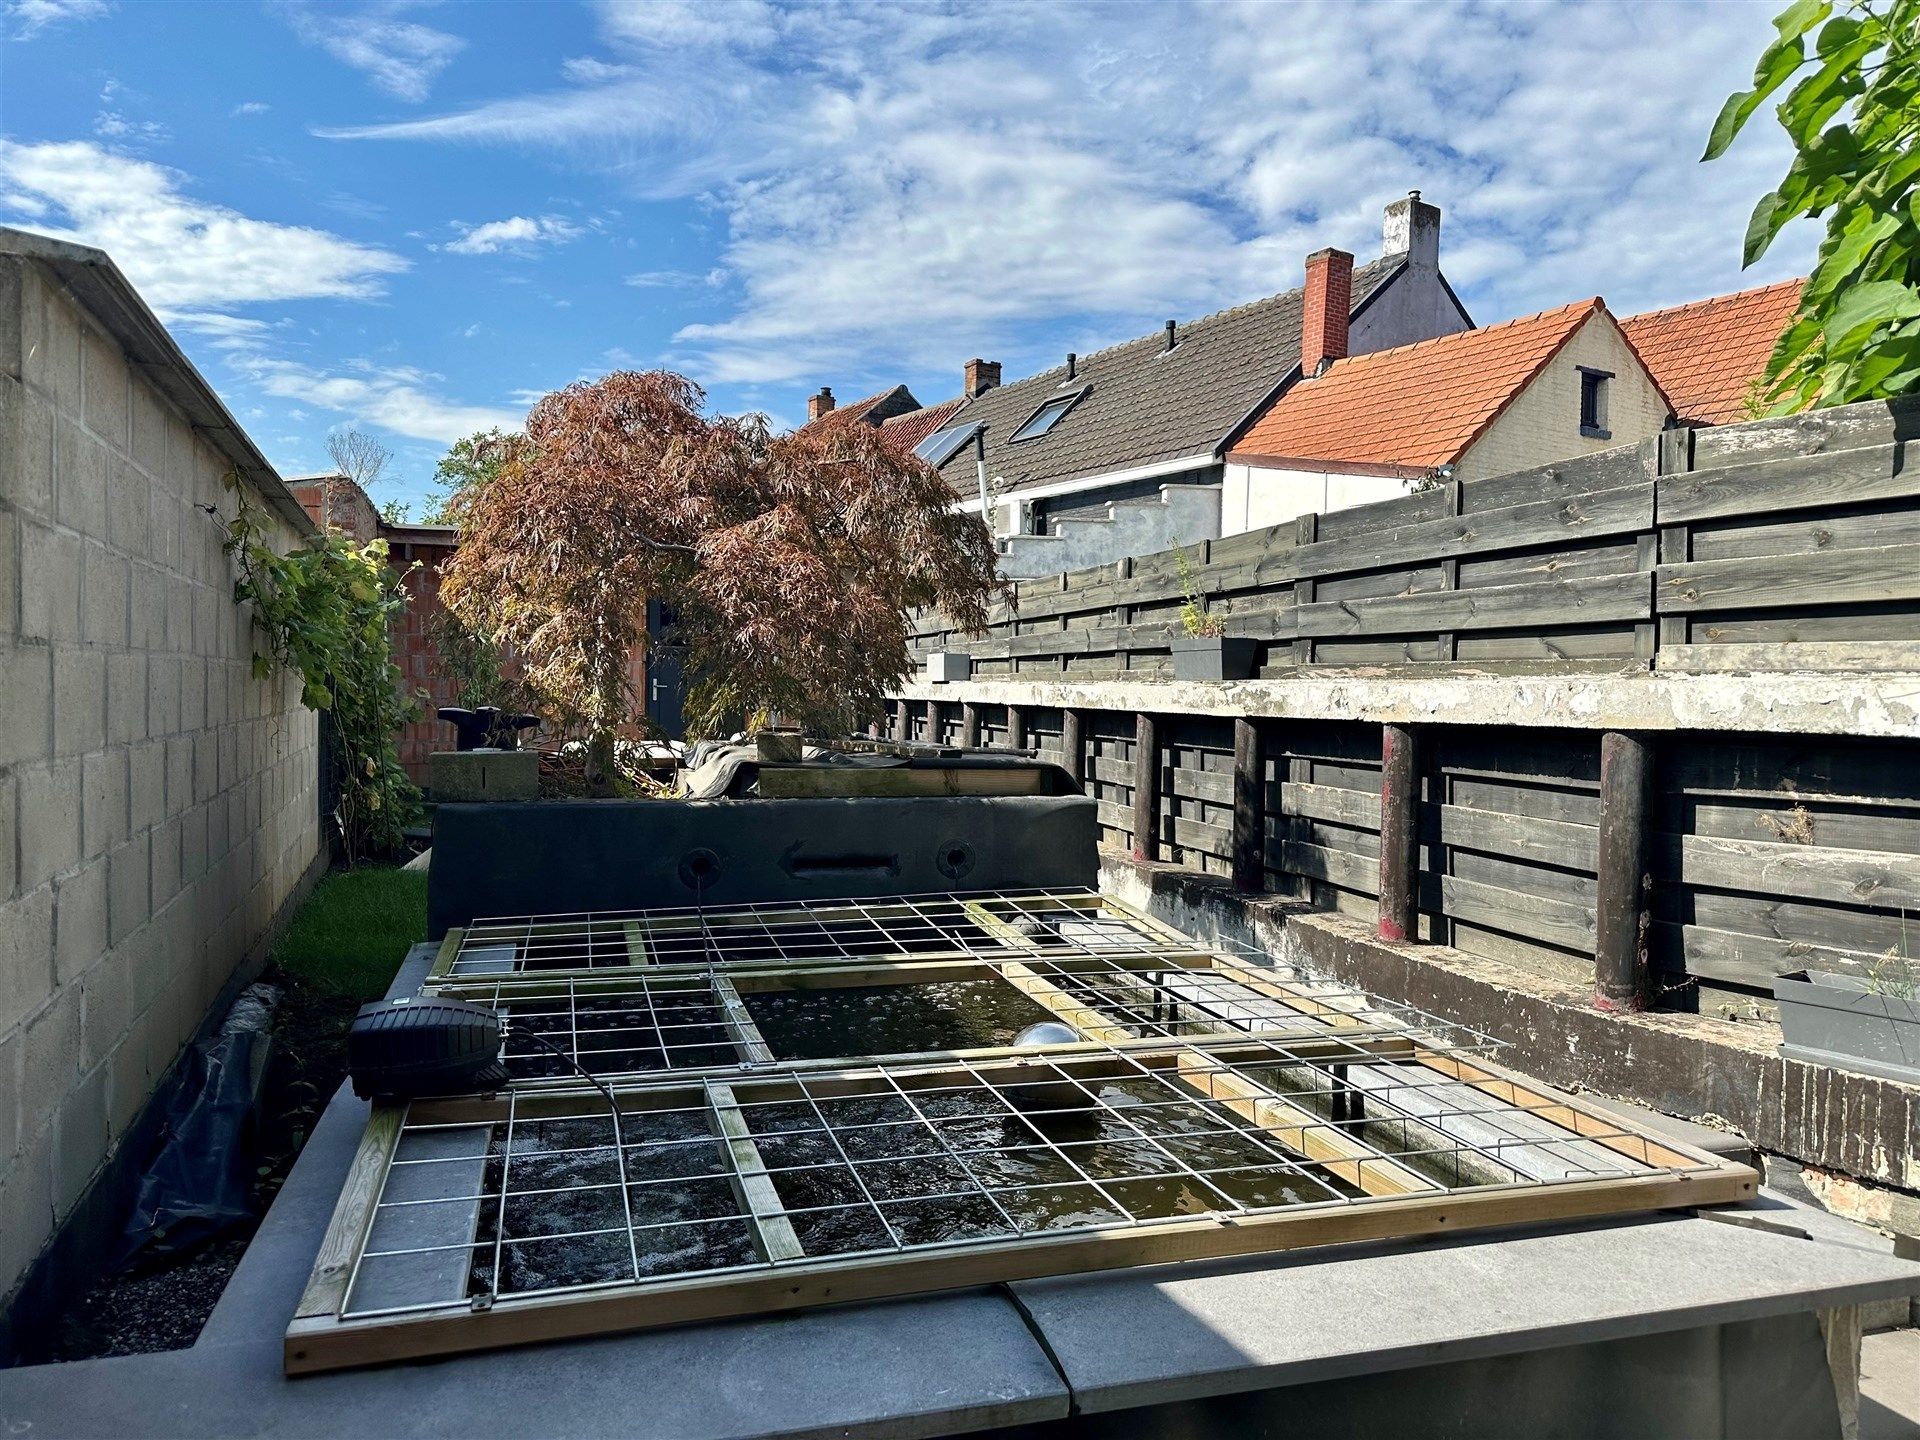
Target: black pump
413, 1048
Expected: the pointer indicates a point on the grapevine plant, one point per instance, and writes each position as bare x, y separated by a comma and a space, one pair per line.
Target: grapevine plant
323, 611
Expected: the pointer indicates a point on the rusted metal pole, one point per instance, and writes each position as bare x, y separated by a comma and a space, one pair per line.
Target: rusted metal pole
970, 726
1073, 746
1399, 832
1249, 807
1146, 788
1622, 966
1016, 728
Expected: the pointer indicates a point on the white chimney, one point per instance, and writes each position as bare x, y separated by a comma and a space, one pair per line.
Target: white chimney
1412, 227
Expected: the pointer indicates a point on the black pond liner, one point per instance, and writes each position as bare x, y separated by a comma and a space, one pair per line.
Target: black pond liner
891, 1019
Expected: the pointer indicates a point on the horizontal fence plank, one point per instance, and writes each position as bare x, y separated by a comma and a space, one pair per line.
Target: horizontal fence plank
1802, 872
1834, 577
1802, 482
1545, 604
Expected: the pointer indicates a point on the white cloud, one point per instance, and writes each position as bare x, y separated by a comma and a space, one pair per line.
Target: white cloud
113, 123
30, 17
393, 398
908, 185
185, 255
518, 233
250, 107
402, 58
675, 279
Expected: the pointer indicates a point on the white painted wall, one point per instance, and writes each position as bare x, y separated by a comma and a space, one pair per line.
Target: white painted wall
1253, 498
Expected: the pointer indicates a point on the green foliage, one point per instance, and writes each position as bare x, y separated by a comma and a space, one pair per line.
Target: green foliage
322, 611
467, 466
396, 512
477, 668
1194, 618
1854, 118
351, 934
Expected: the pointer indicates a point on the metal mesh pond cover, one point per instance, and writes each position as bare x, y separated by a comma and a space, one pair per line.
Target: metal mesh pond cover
1211, 1108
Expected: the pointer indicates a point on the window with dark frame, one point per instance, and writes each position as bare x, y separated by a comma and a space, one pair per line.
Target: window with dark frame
1593, 403
1042, 420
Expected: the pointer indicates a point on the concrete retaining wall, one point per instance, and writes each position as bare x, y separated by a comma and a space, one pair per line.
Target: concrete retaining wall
157, 805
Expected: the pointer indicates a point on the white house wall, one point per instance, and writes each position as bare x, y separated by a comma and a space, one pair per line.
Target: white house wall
1253, 497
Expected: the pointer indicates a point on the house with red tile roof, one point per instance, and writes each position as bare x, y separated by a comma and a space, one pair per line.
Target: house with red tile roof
1707, 355
874, 410
1359, 428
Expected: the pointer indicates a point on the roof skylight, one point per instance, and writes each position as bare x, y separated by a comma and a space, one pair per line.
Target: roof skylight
942, 445
1045, 418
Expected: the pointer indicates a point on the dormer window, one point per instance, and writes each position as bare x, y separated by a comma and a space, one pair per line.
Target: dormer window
1593, 402
1049, 414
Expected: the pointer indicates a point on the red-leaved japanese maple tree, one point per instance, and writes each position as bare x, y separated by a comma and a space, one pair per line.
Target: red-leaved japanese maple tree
789, 561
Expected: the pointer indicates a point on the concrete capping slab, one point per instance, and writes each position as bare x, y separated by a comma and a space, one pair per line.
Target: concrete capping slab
1810, 704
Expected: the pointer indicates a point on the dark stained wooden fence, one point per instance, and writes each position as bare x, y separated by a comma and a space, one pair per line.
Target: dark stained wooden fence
1791, 544
1780, 544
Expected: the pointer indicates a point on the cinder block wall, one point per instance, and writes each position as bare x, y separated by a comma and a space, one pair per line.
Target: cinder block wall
157, 805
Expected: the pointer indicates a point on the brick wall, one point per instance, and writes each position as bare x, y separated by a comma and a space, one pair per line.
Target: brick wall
157, 805
413, 646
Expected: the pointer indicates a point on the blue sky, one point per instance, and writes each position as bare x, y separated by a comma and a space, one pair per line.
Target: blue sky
416, 217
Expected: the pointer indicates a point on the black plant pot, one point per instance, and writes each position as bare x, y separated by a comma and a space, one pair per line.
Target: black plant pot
1214, 657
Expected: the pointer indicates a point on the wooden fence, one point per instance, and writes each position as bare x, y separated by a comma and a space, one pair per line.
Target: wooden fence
1656, 862
1779, 544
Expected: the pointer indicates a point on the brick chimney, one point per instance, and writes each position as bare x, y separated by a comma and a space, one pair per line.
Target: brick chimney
1412, 227
1324, 310
818, 405
980, 376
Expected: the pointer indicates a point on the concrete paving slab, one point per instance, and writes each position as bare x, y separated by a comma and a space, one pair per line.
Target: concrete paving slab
1890, 1386
1124, 1340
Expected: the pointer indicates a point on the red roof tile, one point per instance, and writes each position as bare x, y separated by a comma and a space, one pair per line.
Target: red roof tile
1707, 354
1414, 406
910, 429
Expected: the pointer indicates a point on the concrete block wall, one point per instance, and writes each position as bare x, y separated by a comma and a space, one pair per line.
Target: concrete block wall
158, 806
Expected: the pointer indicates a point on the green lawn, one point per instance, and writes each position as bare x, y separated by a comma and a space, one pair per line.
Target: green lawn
351, 935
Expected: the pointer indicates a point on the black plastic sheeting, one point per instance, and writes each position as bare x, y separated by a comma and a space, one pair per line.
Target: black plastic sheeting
201, 1181
565, 856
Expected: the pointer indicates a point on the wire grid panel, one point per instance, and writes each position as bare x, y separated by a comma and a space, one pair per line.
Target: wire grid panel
1031, 922
918, 1176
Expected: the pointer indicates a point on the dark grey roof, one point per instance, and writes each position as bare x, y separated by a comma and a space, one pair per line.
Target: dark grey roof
1144, 403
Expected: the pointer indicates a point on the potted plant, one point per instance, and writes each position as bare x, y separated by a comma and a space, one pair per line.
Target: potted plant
1867, 1023
1205, 651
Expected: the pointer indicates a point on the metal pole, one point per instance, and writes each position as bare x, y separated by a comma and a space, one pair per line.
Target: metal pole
980, 473
1622, 967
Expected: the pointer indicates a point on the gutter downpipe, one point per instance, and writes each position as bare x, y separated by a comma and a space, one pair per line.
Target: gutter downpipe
980, 473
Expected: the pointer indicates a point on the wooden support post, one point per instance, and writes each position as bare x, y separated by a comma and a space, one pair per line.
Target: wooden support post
1622, 968
1399, 832
970, 726
1146, 788
934, 736
1249, 807
902, 722
1073, 748
1016, 728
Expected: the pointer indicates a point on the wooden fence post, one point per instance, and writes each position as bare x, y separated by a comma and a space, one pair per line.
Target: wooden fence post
1146, 788
1016, 728
1399, 832
1622, 967
1073, 746
1249, 807
933, 722
902, 723
970, 726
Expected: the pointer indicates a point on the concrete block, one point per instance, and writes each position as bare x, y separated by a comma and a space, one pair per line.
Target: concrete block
149, 610
193, 844
10, 568
30, 478
129, 874
104, 584
79, 691
80, 480
11, 318
475, 775
166, 861
128, 522
50, 1063
60, 372
12, 1047
50, 808
103, 800
179, 768
148, 788
106, 1008
26, 955
26, 703
126, 698
129, 1084
206, 766
26, 1209
79, 1140
104, 385
193, 693
50, 576
9, 836
79, 921
150, 439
